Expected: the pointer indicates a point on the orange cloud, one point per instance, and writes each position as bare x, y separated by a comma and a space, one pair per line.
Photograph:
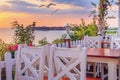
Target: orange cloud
42, 20
67, 14
24, 15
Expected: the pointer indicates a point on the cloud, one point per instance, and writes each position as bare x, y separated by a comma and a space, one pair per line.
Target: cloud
73, 11
46, 0
23, 7
21, 3
81, 3
4, 7
77, 7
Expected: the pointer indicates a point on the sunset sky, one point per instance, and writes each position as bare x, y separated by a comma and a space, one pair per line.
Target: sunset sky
68, 11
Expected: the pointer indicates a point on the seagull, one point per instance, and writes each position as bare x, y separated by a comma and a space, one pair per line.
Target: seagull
55, 11
48, 6
42, 5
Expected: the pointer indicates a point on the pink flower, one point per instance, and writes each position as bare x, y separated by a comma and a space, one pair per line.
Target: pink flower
15, 47
30, 44
12, 48
9, 48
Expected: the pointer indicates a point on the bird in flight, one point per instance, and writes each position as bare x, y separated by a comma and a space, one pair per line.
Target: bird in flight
48, 6
42, 5
55, 11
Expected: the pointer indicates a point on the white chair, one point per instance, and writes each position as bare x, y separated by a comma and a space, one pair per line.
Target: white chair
67, 62
115, 42
47, 52
93, 42
30, 60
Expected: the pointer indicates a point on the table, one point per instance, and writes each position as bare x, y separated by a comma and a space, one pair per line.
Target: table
105, 55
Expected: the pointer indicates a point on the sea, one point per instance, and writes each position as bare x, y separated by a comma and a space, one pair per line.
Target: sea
7, 35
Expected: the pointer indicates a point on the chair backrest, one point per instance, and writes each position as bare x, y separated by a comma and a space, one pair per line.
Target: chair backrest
92, 41
47, 52
115, 42
69, 62
30, 60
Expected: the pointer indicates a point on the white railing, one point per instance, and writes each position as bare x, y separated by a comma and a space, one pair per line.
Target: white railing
8, 65
71, 43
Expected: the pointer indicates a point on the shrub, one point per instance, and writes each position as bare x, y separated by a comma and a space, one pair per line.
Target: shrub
43, 41
23, 35
60, 40
3, 49
57, 41
79, 31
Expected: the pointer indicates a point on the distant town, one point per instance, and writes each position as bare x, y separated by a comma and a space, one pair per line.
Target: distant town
44, 28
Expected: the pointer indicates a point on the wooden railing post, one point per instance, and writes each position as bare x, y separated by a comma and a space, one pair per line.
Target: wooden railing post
68, 41
8, 62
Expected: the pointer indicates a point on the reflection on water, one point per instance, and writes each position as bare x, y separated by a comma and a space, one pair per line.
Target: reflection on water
7, 35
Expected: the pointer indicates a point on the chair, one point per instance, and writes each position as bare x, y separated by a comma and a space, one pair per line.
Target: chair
67, 62
30, 63
47, 52
93, 42
114, 44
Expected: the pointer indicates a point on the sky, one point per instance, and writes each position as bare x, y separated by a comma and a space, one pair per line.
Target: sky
63, 12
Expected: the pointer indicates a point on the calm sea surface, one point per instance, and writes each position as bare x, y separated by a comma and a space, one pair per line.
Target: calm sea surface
7, 35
